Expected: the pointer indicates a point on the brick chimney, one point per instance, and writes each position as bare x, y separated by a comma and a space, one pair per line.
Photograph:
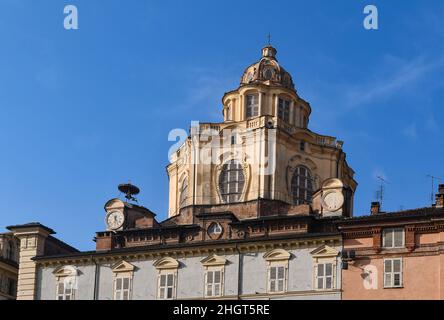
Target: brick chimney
440, 197
375, 208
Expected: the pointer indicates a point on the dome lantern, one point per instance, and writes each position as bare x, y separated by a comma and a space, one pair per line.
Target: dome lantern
267, 71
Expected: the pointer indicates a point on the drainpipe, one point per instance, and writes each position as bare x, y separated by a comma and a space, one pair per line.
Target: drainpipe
239, 272
96, 279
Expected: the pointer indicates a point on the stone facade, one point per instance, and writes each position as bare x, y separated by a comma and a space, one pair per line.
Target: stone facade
9, 262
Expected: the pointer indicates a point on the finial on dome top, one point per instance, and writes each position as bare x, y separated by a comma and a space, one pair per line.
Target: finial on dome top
269, 51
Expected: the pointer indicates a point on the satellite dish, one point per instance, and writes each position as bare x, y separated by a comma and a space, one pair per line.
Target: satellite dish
129, 190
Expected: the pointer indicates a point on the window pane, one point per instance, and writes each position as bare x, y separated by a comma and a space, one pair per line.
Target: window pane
162, 280
170, 280
388, 238
281, 273
162, 293
281, 285
272, 286
126, 295
396, 280
217, 277
61, 288
170, 293
126, 283
320, 270
388, 280
388, 266
273, 273
399, 238
209, 290
328, 269
320, 283
397, 265
118, 283
328, 282
210, 277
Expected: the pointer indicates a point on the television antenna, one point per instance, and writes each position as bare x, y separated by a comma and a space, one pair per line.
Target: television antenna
432, 194
381, 192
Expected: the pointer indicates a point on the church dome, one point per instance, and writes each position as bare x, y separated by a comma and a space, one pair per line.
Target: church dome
267, 71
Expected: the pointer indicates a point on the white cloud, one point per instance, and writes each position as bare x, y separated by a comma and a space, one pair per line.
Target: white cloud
410, 131
386, 84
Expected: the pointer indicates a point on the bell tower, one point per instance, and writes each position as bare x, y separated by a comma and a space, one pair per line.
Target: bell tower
263, 149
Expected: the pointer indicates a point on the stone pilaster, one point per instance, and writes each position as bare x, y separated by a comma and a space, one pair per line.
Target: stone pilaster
32, 239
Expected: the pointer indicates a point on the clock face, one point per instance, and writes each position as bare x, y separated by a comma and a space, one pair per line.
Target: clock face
333, 201
115, 219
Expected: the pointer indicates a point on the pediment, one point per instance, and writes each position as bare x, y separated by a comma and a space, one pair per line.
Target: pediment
214, 260
66, 271
277, 255
166, 263
123, 266
324, 251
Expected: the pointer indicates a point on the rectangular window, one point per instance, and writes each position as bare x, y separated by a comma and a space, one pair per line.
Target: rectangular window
393, 238
65, 289
214, 283
284, 110
252, 105
166, 288
276, 279
122, 288
393, 273
324, 276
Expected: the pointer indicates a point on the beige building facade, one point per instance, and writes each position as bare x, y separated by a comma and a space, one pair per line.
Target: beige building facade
262, 150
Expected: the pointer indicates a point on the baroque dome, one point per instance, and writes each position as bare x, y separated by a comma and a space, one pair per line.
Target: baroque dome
267, 71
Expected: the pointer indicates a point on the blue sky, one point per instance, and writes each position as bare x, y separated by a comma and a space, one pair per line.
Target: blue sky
82, 111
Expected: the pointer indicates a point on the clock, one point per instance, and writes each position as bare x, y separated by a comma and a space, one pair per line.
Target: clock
332, 201
114, 220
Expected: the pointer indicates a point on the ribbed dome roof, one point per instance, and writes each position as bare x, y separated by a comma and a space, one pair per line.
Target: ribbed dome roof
268, 71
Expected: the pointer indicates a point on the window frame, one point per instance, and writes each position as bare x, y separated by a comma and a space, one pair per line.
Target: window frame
392, 231
284, 106
252, 109
296, 188
276, 279
121, 292
324, 277
165, 273
226, 184
62, 280
221, 283
392, 273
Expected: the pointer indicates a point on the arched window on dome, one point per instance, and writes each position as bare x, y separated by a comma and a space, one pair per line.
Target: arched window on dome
183, 193
231, 181
252, 105
301, 186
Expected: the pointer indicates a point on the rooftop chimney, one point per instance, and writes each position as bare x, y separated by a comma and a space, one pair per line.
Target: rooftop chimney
375, 208
440, 197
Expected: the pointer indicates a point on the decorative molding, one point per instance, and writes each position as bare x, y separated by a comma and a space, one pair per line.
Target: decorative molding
214, 260
277, 255
166, 263
324, 251
122, 266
